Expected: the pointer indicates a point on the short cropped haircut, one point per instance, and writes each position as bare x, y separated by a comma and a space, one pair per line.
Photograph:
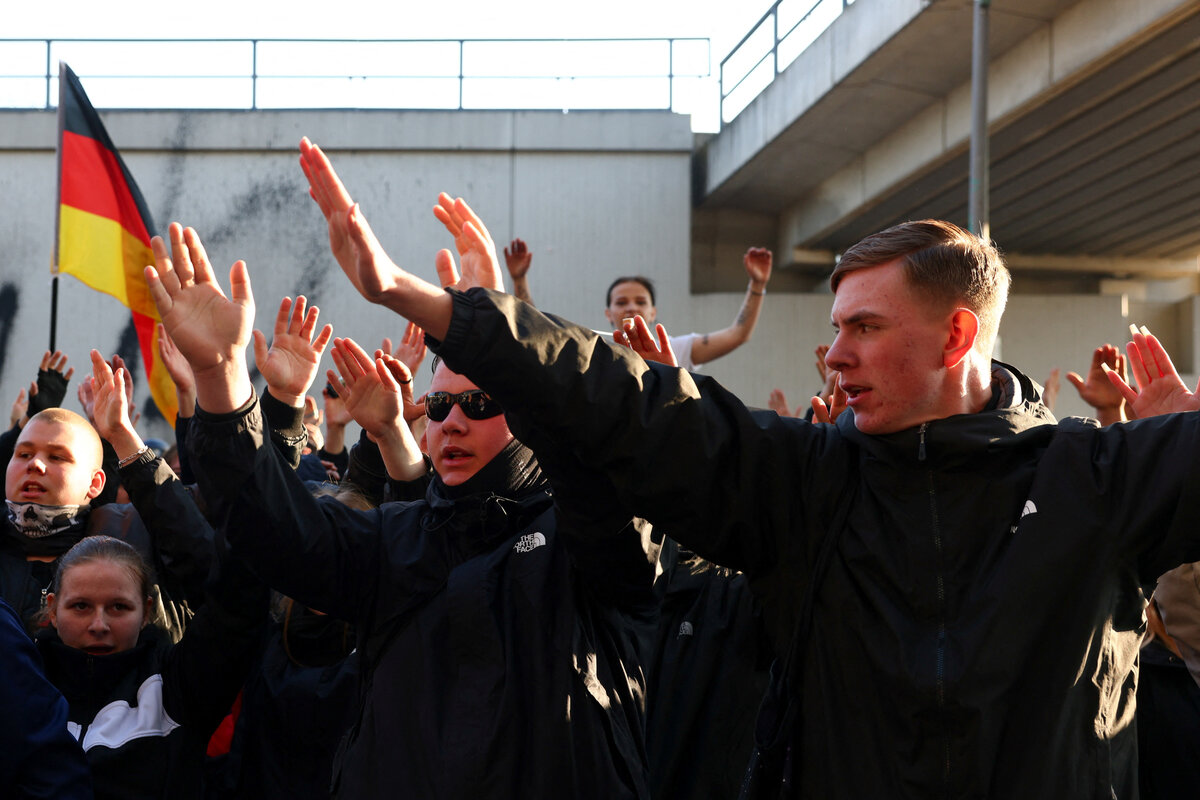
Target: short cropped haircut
62, 416
627, 279
942, 262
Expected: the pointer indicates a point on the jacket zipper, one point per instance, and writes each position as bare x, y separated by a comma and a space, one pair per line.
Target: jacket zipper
940, 673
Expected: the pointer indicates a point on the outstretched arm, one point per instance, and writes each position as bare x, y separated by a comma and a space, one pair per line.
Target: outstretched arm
712, 346
373, 273
1160, 389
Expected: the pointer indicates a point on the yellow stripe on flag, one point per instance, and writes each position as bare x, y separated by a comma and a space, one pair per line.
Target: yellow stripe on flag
106, 257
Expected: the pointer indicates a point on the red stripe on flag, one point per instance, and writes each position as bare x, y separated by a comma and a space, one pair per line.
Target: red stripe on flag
92, 181
144, 326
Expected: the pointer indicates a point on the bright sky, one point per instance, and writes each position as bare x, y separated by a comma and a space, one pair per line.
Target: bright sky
725, 22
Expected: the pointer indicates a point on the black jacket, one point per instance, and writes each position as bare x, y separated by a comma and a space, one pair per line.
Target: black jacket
495, 645
706, 670
976, 634
301, 698
39, 760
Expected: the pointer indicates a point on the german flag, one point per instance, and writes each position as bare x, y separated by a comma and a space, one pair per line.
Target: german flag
104, 227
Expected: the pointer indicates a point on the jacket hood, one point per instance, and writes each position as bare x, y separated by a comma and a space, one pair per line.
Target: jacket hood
503, 497
1015, 417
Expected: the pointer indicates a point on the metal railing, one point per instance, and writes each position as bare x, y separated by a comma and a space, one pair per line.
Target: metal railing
562, 74
793, 25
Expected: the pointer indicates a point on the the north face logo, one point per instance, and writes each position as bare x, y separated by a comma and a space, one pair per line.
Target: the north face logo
530, 541
685, 629
1029, 508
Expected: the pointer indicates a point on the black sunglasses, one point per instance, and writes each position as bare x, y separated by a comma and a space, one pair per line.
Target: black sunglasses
475, 404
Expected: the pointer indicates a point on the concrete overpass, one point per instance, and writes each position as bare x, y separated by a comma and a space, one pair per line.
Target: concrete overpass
1094, 109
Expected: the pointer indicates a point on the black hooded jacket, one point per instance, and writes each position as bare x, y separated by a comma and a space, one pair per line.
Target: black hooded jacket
495, 647
976, 633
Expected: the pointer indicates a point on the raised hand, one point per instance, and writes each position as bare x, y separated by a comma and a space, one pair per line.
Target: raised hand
291, 364
210, 329
351, 239
373, 400
362, 258
19, 408
336, 415
779, 404
1050, 389
411, 349
829, 413
413, 409
517, 258
51, 386
1160, 389
636, 335
1097, 390
87, 400
476, 250
118, 363
758, 266
376, 393
177, 366
180, 372
110, 406
820, 352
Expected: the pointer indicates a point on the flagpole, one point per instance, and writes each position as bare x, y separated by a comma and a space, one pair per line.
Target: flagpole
57, 210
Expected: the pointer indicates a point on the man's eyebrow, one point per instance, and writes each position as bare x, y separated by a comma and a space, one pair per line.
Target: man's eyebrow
857, 317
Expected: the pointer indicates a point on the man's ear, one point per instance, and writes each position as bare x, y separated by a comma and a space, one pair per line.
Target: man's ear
97, 485
960, 339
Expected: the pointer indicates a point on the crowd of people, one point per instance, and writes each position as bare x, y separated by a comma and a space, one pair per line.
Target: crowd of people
578, 567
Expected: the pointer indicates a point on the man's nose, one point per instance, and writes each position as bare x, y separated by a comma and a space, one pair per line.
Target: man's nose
837, 356
456, 420
37, 465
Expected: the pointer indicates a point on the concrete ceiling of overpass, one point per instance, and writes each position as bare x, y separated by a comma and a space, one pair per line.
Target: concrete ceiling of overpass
1107, 167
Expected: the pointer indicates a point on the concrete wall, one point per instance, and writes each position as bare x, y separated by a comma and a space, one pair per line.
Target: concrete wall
595, 194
